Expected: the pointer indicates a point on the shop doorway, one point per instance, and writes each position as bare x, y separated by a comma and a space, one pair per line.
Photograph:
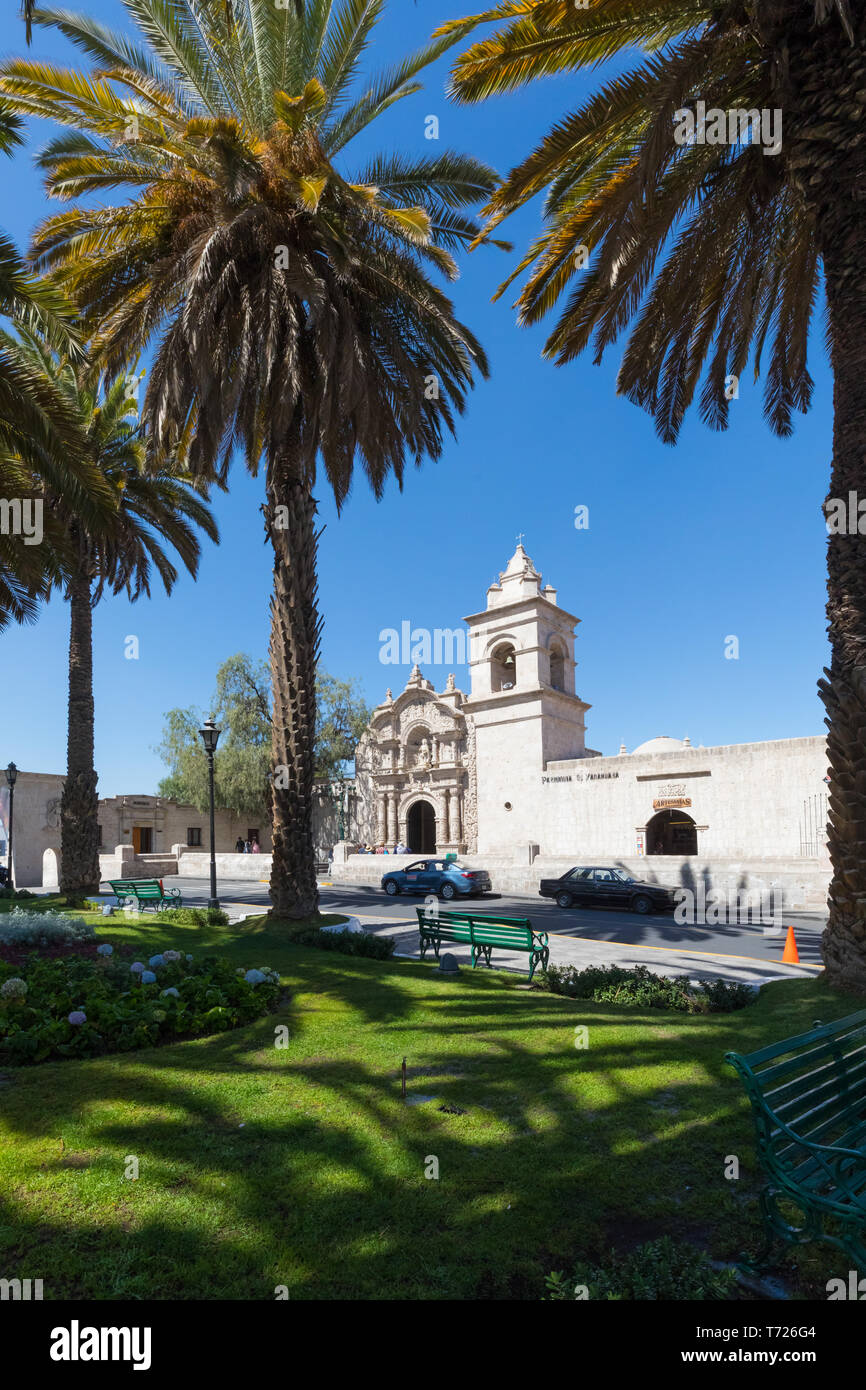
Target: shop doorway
671, 832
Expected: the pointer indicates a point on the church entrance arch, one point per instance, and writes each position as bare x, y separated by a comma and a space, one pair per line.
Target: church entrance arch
671, 832
421, 828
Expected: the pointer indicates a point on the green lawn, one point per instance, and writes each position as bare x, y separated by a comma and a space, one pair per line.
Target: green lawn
262, 1166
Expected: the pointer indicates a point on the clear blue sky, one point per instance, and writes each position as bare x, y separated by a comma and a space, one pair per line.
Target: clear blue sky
721, 535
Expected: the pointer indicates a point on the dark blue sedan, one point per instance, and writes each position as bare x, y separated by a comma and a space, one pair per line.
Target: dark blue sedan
445, 877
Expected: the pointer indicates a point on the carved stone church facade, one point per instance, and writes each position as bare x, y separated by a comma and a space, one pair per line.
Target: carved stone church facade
415, 770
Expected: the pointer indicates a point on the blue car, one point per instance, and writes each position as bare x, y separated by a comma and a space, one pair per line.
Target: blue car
444, 877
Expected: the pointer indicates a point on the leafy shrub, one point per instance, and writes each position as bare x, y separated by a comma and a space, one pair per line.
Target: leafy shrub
21, 927
613, 984
663, 1270
348, 943
11, 895
195, 916
80, 1007
726, 996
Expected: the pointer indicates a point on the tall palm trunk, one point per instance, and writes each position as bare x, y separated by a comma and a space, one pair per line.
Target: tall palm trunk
295, 632
79, 804
829, 85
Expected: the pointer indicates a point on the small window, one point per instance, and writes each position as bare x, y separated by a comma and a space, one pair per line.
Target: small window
193, 835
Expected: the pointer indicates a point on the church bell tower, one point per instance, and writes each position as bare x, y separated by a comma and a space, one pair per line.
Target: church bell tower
523, 701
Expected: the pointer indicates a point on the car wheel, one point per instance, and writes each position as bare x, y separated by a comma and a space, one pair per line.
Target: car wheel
641, 904
447, 891
392, 888
563, 900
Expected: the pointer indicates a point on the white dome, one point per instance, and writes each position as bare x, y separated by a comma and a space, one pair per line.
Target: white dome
660, 744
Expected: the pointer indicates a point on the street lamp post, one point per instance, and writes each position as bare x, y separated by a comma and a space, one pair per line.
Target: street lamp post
11, 778
210, 736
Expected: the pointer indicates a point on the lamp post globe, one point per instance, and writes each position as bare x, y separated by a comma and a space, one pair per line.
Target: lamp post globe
210, 737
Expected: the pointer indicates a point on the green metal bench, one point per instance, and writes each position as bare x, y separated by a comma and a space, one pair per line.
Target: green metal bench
808, 1097
144, 890
482, 933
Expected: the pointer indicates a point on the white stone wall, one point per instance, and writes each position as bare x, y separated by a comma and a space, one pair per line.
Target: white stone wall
746, 799
36, 825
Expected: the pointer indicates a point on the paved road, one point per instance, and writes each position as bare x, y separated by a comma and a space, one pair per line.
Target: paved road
654, 932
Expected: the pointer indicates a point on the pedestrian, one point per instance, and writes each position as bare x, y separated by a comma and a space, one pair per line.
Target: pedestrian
239, 846
255, 847
246, 847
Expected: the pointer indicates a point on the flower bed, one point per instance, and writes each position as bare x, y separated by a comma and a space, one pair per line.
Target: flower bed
80, 1006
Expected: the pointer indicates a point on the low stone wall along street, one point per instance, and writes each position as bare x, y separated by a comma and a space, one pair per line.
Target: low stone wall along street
802, 883
196, 864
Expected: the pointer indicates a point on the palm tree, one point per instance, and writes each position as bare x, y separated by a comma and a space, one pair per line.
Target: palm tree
37, 429
295, 317
710, 255
155, 511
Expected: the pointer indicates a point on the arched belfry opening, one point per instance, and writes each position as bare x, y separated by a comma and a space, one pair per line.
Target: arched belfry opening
421, 828
503, 667
671, 832
557, 667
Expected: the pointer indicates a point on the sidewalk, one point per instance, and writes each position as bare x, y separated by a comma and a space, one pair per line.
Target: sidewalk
575, 950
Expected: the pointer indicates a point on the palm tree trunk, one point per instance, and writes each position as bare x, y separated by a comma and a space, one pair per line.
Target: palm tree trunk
295, 632
844, 690
829, 77
79, 804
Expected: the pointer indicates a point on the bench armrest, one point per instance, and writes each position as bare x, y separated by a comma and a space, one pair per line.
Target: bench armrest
832, 1158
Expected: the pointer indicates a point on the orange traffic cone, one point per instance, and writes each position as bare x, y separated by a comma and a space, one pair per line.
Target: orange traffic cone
790, 955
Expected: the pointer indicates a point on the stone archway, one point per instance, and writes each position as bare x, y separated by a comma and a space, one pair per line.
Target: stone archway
671, 832
421, 828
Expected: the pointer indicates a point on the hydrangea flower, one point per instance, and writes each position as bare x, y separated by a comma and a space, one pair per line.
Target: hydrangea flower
14, 988
156, 961
148, 977
77, 1017
105, 949
172, 991
170, 956
255, 977
188, 956
136, 967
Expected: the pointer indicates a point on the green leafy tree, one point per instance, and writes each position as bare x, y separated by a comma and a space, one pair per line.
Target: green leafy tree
708, 254
241, 707
288, 295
